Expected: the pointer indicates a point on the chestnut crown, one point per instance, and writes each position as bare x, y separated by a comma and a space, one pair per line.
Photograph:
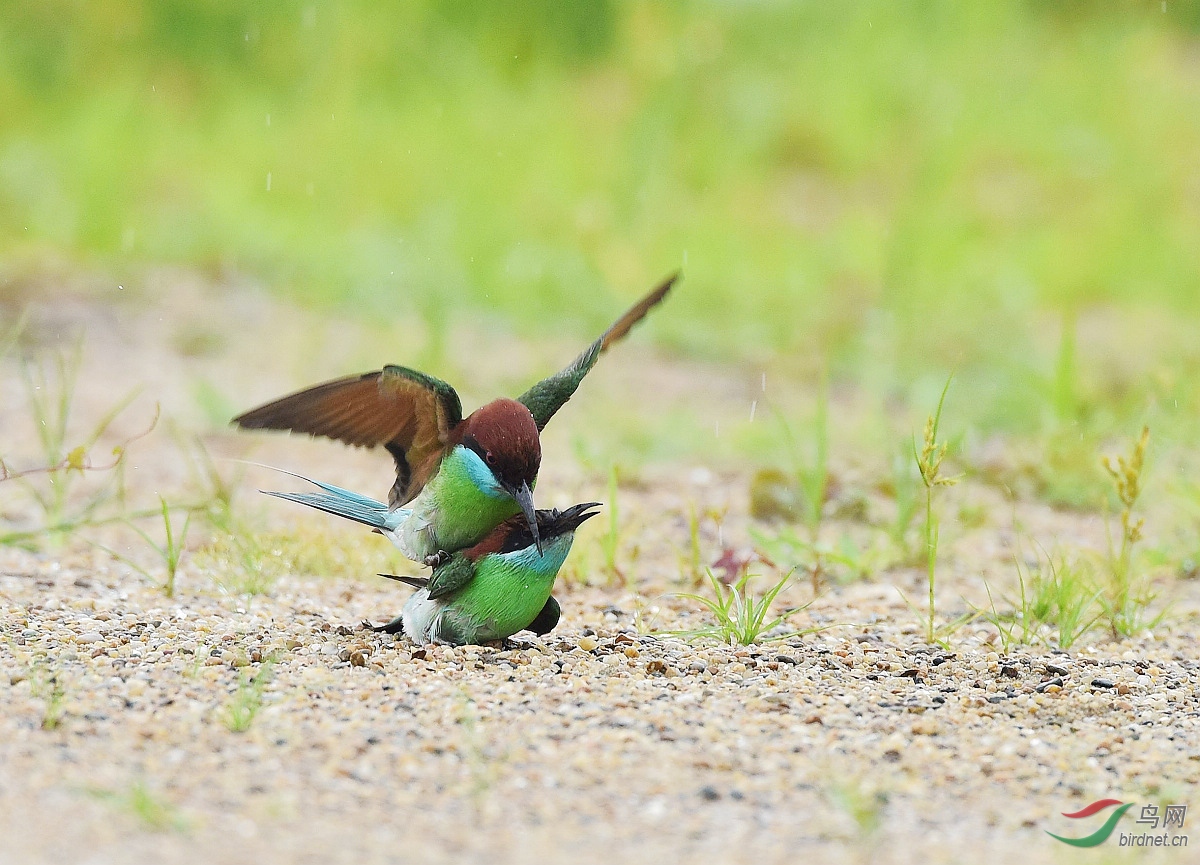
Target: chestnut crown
505, 436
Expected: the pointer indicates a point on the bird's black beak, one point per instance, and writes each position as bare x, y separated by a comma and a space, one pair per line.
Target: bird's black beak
524, 496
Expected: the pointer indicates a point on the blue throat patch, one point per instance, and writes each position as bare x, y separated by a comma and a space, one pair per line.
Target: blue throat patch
479, 473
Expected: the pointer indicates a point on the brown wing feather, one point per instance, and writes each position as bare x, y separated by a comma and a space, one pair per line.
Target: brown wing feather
637, 312
412, 414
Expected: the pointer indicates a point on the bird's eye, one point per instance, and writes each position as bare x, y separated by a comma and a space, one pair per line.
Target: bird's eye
490, 457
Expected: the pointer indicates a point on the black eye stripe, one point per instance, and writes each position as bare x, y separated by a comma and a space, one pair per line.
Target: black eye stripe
502, 465
471, 443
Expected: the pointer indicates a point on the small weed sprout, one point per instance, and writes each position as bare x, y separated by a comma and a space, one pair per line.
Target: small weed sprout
739, 617
844, 561
192, 670
240, 711
151, 810
50, 396
1061, 597
1125, 597
247, 559
692, 566
47, 685
480, 763
929, 462
864, 805
1065, 599
814, 480
170, 551
1016, 628
45, 682
642, 623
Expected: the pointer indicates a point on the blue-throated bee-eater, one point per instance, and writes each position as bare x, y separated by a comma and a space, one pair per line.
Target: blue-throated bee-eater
456, 478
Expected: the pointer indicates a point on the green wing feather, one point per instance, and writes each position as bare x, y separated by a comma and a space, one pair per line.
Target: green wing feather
546, 397
451, 577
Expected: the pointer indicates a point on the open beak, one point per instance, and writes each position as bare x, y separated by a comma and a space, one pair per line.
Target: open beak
524, 496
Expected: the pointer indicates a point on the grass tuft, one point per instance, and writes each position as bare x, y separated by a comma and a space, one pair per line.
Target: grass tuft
170, 551
149, 808
929, 462
740, 618
1127, 593
241, 710
47, 685
52, 484
1060, 598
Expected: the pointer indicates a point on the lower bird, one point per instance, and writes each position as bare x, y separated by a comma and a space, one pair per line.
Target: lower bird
497, 587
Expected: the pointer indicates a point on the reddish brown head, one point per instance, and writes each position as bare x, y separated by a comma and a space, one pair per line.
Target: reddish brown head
505, 436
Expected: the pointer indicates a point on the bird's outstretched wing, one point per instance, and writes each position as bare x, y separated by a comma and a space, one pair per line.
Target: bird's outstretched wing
409, 413
549, 395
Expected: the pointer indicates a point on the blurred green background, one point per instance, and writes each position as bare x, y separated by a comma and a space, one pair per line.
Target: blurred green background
890, 189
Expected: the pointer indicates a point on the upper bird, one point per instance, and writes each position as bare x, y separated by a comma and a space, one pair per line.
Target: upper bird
458, 477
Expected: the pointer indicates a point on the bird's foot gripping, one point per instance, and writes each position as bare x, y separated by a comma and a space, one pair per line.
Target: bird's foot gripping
395, 626
436, 560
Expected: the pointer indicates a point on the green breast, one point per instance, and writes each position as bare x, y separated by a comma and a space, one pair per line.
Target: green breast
507, 593
458, 507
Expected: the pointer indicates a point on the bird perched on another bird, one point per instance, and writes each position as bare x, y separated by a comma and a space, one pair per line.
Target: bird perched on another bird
456, 478
495, 588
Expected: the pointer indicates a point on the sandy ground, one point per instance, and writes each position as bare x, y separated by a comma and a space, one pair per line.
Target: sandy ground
600, 742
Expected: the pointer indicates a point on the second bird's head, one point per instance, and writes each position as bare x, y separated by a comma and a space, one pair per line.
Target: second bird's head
504, 435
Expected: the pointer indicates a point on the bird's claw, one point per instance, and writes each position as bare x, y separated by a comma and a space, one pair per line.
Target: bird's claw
437, 559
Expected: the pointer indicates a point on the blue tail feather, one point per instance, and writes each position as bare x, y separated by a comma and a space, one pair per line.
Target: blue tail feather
345, 503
